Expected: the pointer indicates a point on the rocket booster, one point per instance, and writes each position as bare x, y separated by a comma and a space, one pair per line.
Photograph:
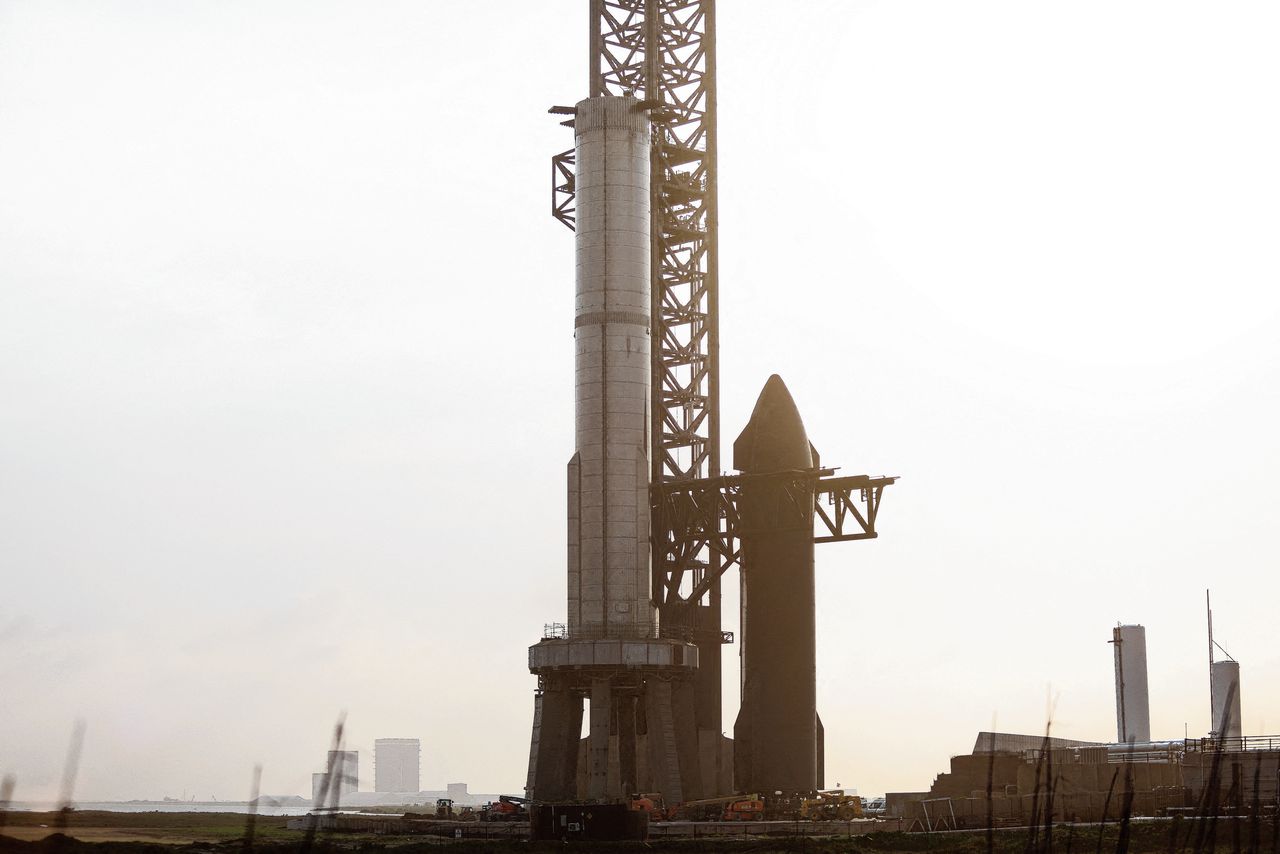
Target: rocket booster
608, 538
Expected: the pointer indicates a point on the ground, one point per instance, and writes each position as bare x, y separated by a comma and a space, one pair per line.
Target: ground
216, 833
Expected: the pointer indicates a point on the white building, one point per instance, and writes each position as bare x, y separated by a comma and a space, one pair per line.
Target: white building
345, 767
397, 765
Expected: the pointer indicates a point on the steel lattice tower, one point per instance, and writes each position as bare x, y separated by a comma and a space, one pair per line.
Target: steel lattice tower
663, 51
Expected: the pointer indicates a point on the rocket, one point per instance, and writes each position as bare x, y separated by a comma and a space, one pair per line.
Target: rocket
609, 648
609, 473
777, 736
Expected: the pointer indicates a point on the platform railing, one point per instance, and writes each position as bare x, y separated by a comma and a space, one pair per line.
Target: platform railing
636, 631
1232, 744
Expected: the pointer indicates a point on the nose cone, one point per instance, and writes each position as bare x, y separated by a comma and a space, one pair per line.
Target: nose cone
774, 438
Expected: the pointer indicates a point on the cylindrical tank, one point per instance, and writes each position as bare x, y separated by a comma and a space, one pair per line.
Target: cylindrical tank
611, 649
1133, 708
1225, 695
609, 475
775, 736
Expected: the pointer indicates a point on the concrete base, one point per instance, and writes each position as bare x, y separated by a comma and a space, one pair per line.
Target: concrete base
642, 779
643, 727
650, 748
790, 829
635, 745
642, 738
553, 755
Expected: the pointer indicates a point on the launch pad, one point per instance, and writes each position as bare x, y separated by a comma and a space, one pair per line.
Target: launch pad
653, 523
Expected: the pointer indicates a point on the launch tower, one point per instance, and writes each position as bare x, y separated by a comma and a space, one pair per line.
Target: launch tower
653, 523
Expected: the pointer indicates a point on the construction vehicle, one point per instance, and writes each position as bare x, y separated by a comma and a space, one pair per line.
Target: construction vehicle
744, 809
731, 808
874, 806
831, 805
505, 808
650, 803
444, 808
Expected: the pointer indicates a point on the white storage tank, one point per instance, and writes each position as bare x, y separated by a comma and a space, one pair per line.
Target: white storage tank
1224, 688
1133, 707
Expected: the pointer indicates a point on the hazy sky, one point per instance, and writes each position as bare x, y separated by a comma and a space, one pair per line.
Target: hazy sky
286, 368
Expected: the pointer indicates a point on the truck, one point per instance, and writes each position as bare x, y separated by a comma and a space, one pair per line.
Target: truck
652, 804
506, 808
730, 808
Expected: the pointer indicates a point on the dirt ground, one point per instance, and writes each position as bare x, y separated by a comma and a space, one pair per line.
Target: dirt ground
223, 833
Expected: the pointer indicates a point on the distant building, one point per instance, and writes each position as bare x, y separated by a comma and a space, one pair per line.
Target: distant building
397, 765
1008, 742
458, 792
345, 765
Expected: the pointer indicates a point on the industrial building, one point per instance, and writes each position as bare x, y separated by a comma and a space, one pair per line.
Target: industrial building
319, 788
1011, 779
397, 764
345, 765
340, 778
1084, 782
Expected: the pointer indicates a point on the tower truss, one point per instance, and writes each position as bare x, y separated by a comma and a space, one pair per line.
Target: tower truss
663, 51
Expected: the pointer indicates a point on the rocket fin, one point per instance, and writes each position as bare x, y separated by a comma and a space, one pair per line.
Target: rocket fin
822, 750
743, 760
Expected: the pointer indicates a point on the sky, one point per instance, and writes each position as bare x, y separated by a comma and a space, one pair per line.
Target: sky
286, 369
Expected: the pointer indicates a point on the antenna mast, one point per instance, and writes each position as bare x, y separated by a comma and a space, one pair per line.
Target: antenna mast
1209, 616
